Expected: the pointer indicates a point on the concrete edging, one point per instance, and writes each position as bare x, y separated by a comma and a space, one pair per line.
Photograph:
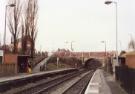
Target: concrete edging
98, 84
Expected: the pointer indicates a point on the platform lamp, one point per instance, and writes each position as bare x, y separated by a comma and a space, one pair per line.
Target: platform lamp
4, 38
116, 5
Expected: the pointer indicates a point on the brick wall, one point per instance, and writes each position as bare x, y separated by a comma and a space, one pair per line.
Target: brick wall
130, 61
10, 58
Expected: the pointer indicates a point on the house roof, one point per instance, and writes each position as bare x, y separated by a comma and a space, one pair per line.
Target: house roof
130, 53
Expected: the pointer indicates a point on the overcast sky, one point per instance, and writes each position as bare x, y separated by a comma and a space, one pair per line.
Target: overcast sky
86, 22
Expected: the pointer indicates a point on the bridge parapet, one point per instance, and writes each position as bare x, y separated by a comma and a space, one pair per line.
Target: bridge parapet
84, 59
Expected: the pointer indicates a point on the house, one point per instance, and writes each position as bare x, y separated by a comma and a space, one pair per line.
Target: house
130, 59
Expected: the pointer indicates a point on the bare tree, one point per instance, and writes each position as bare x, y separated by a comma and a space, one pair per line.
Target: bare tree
23, 38
29, 26
33, 27
14, 22
131, 44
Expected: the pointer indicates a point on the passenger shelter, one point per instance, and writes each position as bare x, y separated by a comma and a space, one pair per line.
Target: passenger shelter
23, 63
20, 61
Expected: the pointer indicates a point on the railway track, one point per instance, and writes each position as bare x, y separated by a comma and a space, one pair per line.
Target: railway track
80, 86
44, 86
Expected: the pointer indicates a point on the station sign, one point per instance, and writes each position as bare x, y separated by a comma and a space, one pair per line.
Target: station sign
1, 52
1, 56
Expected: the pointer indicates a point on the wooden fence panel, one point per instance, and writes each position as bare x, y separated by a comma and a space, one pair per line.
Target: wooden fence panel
8, 69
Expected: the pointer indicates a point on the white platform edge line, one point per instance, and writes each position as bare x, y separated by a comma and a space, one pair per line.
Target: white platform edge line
90, 82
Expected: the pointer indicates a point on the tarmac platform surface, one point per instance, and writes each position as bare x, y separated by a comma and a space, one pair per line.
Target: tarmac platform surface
103, 83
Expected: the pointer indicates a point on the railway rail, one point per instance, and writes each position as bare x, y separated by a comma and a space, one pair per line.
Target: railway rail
80, 86
16, 83
46, 85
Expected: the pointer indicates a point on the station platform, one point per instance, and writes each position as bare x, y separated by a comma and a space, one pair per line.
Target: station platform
27, 75
7, 83
103, 83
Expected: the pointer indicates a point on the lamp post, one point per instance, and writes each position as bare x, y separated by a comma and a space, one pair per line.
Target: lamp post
105, 46
105, 63
72, 45
105, 53
107, 3
82, 57
4, 38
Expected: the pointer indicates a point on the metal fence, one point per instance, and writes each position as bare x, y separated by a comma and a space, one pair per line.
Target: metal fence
126, 76
8, 69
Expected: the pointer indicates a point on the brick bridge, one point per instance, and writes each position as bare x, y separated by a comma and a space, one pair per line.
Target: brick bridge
84, 56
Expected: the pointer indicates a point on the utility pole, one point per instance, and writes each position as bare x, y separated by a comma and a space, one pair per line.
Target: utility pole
57, 62
71, 47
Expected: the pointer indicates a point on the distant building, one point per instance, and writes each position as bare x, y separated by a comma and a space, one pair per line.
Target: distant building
130, 59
